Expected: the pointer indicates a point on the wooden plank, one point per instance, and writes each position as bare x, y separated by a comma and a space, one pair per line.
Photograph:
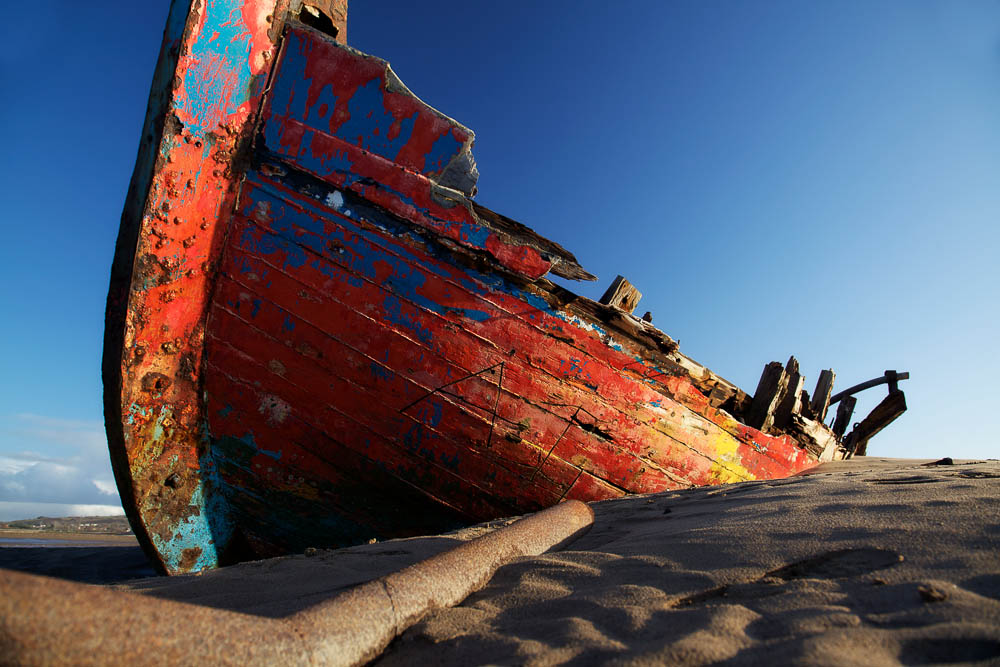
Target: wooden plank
844, 412
805, 408
886, 412
622, 294
821, 397
815, 437
789, 403
770, 389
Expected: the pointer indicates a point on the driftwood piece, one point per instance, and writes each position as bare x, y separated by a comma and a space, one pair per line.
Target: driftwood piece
821, 397
622, 294
770, 389
844, 412
886, 412
789, 404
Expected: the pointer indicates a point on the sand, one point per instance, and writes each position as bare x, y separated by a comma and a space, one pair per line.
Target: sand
869, 561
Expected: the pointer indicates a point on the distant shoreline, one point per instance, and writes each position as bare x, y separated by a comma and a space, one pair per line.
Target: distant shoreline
106, 538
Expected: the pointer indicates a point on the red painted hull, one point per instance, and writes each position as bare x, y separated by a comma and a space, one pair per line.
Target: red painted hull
315, 338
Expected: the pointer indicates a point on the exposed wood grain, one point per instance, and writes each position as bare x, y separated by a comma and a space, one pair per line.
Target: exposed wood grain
622, 294
790, 400
821, 395
770, 389
886, 412
844, 412
815, 437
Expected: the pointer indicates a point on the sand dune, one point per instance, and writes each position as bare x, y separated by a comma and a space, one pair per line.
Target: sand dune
869, 561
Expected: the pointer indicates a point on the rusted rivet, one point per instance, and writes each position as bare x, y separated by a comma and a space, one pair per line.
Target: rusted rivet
169, 347
173, 480
155, 382
177, 220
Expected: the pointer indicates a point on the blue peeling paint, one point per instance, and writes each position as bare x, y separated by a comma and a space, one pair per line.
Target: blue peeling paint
291, 85
248, 439
288, 324
430, 413
369, 123
365, 256
380, 372
223, 46
393, 310
207, 528
444, 149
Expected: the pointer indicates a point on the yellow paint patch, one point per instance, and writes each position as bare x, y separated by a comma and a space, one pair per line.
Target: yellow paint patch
728, 466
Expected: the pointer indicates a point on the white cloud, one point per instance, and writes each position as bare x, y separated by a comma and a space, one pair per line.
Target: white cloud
107, 488
74, 468
13, 464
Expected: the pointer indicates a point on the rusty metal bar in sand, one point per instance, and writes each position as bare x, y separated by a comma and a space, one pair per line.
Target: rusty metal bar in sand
52, 621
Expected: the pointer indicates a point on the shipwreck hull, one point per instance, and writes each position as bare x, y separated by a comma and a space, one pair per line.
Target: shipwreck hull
315, 337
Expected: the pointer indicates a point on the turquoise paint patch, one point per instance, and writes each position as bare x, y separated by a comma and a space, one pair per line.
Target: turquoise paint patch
206, 529
219, 79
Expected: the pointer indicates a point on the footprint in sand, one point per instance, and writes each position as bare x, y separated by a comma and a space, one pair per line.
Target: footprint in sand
839, 564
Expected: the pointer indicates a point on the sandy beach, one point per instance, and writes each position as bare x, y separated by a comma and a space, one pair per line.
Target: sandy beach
870, 561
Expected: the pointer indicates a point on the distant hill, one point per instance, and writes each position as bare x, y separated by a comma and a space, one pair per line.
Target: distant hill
116, 525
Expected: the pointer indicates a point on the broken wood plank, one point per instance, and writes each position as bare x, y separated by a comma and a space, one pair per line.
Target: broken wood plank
622, 294
805, 408
821, 397
770, 389
886, 412
815, 437
844, 412
788, 404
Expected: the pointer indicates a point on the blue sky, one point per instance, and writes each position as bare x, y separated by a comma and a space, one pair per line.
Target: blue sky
777, 178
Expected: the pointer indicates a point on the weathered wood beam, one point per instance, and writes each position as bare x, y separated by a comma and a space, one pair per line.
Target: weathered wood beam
821, 397
844, 412
804, 405
886, 412
789, 404
891, 378
770, 390
622, 294
815, 437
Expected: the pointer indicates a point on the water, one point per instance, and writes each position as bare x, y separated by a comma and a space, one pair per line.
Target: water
47, 542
